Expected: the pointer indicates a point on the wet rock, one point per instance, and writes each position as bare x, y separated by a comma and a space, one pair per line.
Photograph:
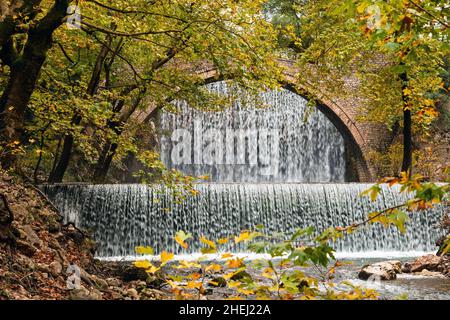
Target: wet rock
208, 292
55, 268
26, 248
86, 277
406, 267
396, 264
429, 262
380, 271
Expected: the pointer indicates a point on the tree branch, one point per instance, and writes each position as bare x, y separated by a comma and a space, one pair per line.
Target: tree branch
126, 34
418, 6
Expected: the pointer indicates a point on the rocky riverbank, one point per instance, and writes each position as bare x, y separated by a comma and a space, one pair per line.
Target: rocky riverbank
40, 258
428, 265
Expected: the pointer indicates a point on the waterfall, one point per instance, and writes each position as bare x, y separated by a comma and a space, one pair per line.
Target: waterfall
125, 216
274, 139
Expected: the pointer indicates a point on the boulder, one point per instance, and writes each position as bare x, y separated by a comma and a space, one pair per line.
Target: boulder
430, 262
386, 270
396, 264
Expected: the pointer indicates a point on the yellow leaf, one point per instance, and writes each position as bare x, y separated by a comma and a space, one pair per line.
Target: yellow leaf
144, 250
194, 284
208, 242
242, 237
180, 238
235, 263
227, 255
143, 264
234, 284
223, 240
195, 276
187, 264
213, 267
166, 257
245, 291
152, 269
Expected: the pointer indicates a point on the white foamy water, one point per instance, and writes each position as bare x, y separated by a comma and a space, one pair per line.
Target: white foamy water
123, 217
306, 149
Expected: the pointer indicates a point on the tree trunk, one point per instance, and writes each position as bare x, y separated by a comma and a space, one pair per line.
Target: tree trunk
407, 142
104, 163
57, 175
407, 128
110, 148
24, 74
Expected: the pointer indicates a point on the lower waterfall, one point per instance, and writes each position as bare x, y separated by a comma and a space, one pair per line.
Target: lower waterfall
122, 217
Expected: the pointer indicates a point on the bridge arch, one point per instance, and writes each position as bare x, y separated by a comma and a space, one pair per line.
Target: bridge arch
342, 114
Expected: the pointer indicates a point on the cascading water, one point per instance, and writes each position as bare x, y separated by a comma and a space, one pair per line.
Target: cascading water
267, 146
125, 216
250, 143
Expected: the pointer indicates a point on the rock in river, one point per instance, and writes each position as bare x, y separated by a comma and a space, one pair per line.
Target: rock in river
386, 270
430, 262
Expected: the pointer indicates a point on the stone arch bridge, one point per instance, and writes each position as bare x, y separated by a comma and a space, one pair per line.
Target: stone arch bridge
360, 137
